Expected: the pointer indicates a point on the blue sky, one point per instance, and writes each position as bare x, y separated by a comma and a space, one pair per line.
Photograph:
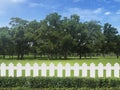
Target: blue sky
101, 10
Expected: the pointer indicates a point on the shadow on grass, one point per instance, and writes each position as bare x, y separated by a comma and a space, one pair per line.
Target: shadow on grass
30, 57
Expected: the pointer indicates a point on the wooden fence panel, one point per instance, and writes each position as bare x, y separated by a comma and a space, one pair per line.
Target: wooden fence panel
100, 70
59, 68
19, 70
84, 70
76, 70
27, 69
3, 70
11, 70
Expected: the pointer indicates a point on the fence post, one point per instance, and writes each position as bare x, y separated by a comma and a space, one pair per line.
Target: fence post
108, 70
35, 69
11, 70
67, 70
92, 70
116, 70
19, 69
3, 69
100, 70
43, 69
84, 70
51, 69
27, 69
59, 70
76, 70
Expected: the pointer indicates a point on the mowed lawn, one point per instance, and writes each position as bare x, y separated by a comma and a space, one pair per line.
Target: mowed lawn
72, 60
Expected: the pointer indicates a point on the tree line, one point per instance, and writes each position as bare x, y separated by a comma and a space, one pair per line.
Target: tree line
57, 37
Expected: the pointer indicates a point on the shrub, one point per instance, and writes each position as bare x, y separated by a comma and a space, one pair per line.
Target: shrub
55, 82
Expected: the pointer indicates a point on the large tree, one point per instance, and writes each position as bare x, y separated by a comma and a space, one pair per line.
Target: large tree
18, 27
5, 41
109, 33
31, 36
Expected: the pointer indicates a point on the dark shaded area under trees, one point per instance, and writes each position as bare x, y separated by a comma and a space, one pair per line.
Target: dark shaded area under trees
58, 37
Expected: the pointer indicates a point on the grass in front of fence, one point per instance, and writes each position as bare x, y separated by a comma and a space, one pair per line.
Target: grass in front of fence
72, 60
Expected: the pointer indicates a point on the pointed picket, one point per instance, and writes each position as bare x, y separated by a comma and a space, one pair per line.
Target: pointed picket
35, 69
44, 70
76, 69
67, 70
11, 70
116, 70
19, 70
100, 70
27, 69
108, 70
3, 70
84, 70
59, 70
51, 69
92, 70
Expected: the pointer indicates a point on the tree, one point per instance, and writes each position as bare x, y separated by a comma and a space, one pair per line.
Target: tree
31, 35
109, 33
117, 46
48, 39
94, 37
18, 28
4, 41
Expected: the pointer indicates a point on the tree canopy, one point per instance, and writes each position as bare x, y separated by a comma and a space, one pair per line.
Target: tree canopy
58, 37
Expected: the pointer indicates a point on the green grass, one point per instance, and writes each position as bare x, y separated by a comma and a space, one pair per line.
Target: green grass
72, 61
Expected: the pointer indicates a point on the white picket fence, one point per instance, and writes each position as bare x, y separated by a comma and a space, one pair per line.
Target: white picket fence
67, 70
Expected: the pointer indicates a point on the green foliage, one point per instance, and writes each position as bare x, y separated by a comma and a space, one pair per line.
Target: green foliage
54, 82
57, 37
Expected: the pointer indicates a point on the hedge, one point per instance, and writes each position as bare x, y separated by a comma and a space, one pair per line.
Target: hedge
55, 82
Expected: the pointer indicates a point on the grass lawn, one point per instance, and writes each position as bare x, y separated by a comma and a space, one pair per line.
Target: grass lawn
70, 60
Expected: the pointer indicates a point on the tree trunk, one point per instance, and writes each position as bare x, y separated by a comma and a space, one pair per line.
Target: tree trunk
85, 55
3, 56
104, 54
65, 55
18, 57
22, 56
56, 56
12, 56
35, 54
80, 56
90, 55
117, 56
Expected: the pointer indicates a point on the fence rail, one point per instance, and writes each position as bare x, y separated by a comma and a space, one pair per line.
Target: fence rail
60, 70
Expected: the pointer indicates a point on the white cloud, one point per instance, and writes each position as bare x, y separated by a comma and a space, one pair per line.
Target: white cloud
37, 4
2, 12
117, 0
75, 1
118, 12
43, 5
85, 14
6, 4
107, 13
10, 3
99, 10
98, 14
17, 1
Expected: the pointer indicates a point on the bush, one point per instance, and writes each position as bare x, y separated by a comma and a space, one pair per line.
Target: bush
55, 82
